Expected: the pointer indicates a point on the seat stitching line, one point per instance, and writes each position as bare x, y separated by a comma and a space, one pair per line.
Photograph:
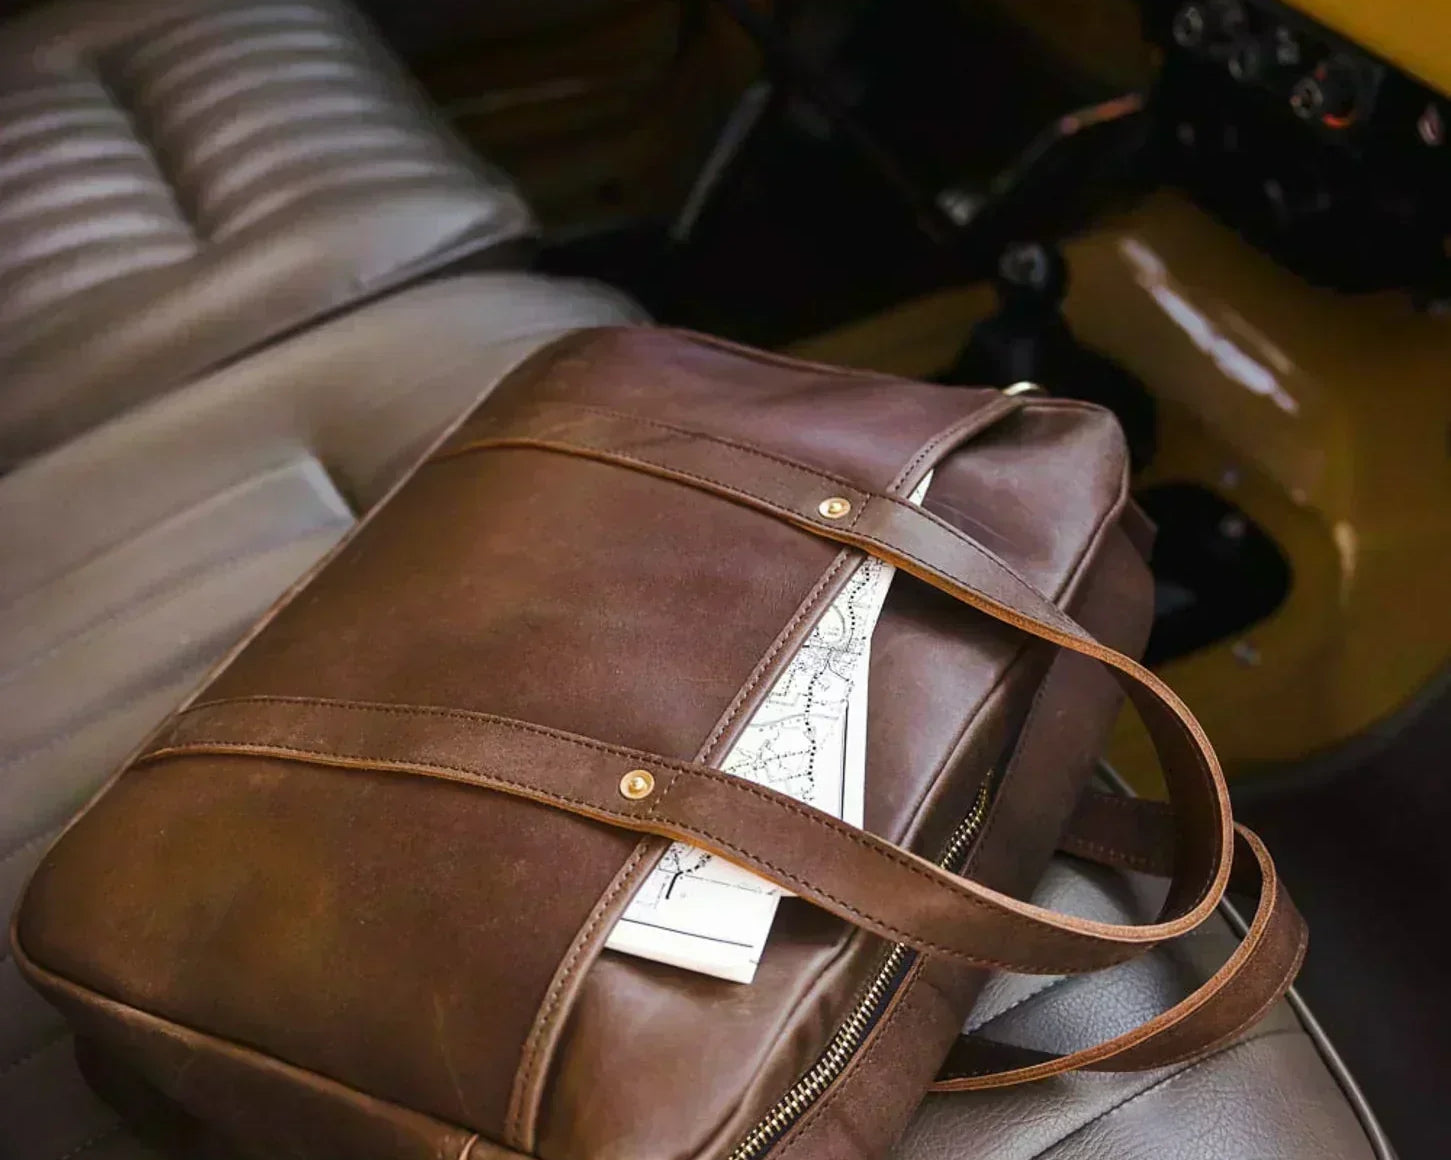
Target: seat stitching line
152, 594
67, 731
39, 1049
1037, 992
186, 215
91, 1141
1165, 1082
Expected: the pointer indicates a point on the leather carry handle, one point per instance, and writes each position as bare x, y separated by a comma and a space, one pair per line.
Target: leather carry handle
1134, 834
858, 876
919, 543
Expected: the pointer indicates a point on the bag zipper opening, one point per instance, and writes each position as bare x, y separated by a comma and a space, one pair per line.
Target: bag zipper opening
853, 1031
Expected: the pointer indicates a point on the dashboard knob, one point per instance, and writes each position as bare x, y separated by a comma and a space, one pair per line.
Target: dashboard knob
1246, 61
1329, 95
1189, 27
1207, 23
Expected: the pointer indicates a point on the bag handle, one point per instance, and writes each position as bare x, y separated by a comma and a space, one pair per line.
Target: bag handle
928, 548
858, 876
1134, 834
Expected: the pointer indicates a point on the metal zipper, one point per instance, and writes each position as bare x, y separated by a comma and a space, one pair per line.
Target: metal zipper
853, 1031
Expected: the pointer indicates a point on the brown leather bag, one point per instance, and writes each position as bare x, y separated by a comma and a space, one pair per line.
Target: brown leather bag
351, 900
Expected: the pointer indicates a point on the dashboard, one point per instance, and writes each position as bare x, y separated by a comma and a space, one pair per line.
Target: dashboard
1415, 35
1320, 150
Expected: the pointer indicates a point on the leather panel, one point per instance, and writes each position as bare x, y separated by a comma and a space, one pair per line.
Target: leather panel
183, 179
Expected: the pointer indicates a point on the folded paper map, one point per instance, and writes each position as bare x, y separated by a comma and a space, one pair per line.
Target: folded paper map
807, 740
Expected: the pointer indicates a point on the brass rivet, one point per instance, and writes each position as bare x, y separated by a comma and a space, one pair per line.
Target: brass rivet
834, 507
637, 784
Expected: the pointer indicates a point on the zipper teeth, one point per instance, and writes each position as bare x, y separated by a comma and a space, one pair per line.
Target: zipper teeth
853, 1031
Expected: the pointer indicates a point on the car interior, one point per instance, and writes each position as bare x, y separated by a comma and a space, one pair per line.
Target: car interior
258, 256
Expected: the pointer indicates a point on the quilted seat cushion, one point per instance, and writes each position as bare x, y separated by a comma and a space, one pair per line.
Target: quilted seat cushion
181, 180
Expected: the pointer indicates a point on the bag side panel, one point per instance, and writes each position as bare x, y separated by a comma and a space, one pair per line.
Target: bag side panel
868, 1108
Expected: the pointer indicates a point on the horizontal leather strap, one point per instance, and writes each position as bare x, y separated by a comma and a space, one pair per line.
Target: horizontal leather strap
1130, 833
922, 545
858, 876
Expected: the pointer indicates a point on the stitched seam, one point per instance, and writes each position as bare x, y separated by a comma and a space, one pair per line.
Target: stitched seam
251, 1057
775, 359
28, 845
709, 437
722, 485
726, 779
1067, 586
860, 1061
829, 824
1018, 619
1072, 845
39, 1049
90, 1142
1296, 960
808, 606
487, 441
1165, 1082
1035, 993
732, 489
168, 589
995, 807
963, 428
561, 980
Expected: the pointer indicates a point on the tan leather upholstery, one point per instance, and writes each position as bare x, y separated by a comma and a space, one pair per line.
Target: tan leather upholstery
1273, 1093
181, 180
136, 554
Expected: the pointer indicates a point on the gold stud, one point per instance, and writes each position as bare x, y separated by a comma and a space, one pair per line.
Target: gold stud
637, 784
834, 507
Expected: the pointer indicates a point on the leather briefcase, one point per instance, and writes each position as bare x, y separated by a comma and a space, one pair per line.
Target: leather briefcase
352, 899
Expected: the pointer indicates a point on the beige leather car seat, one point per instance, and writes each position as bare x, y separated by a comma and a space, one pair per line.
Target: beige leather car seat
182, 180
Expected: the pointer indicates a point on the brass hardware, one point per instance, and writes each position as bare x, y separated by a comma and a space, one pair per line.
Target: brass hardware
835, 507
1021, 388
852, 1034
637, 784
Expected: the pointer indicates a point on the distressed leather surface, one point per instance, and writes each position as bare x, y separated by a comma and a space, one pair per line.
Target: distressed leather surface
181, 180
578, 596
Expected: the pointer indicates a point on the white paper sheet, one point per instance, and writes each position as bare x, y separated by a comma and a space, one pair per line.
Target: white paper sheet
808, 740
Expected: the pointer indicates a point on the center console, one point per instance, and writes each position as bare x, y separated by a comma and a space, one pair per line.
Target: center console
1329, 157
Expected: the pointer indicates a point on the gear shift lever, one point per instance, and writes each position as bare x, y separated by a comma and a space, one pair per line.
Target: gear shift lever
1028, 338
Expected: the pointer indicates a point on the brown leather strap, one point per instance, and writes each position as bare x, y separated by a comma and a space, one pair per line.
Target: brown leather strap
1130, 833
862, 878
921, 544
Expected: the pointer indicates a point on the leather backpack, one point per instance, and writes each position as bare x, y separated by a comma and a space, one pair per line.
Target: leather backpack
353, 899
